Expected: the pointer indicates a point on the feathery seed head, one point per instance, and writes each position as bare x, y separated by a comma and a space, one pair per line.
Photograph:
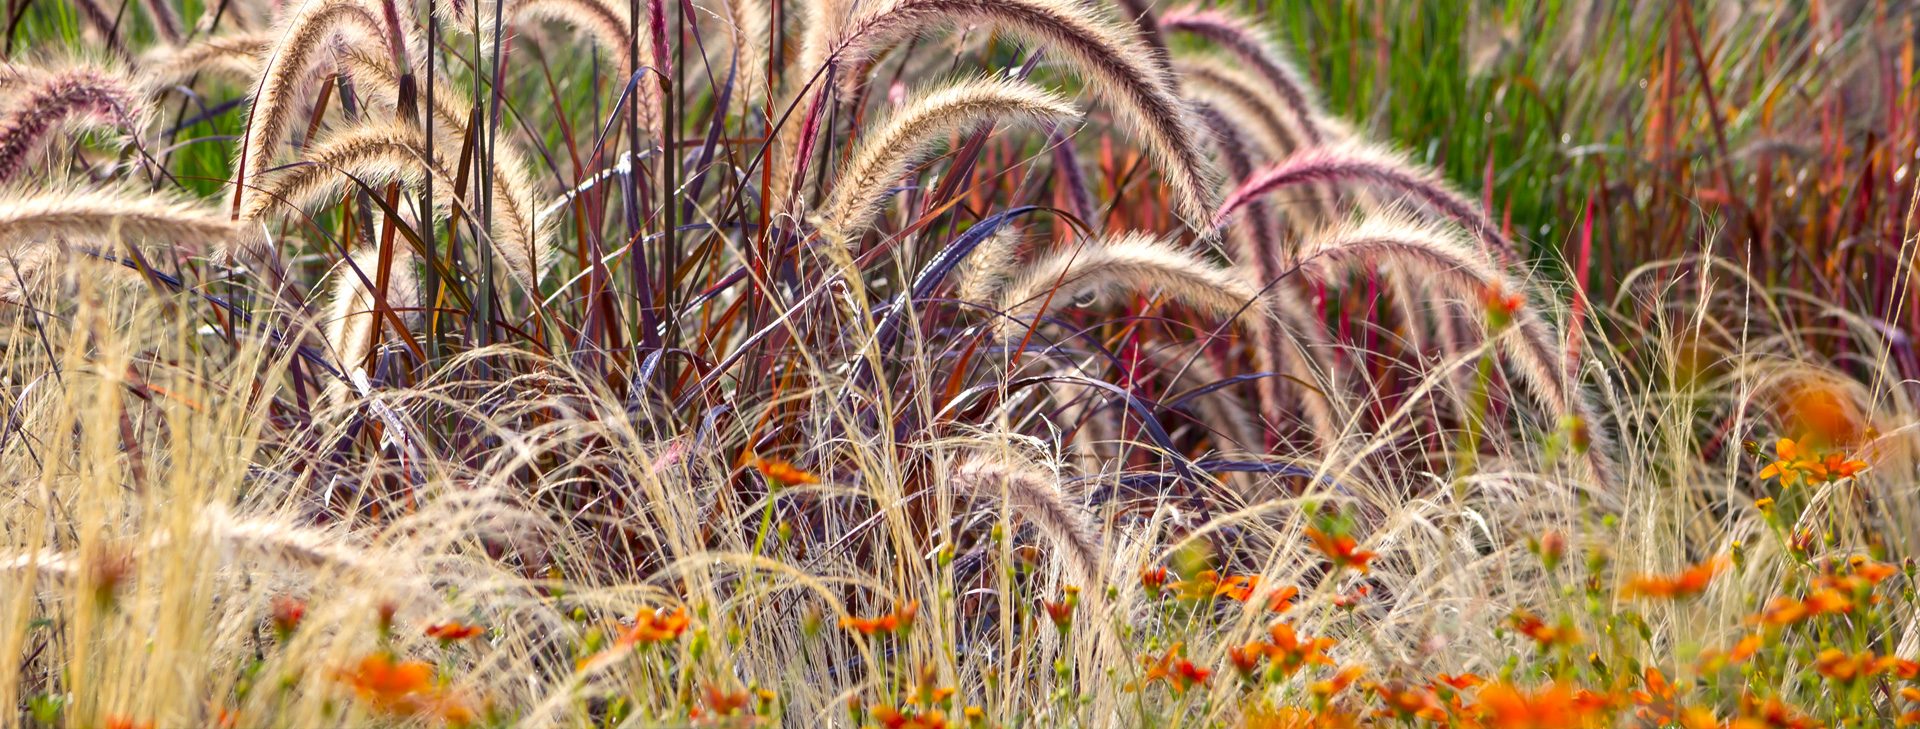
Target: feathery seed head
1375, 166
1120, 68
314, 24
353, 317
235, 58
893, 146
37, 225
1466, 273
982, 274
50, 98
379, 152
1132, 262
1244, 39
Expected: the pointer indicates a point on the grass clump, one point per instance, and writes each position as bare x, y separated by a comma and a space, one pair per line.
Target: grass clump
945, 363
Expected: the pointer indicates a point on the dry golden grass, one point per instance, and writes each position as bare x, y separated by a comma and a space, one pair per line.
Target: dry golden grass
383, 364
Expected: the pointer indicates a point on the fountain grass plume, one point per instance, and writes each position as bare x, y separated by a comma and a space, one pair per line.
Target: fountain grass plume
1244, 39
1372, 165
380, 152
1039, 498
1117, 66
166, 21
234, 57
1460, 269
37, 224
1288, 349
372, 153
377, 78
892, 146
299, 40
749, 29
48, 99
605, 21
1242, 99
1268, 135
1130, 262
1140, 13
104, 22
70, 212
352, 313
982, 274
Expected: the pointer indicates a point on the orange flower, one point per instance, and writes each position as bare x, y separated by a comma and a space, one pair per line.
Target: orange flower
1411, 702
1558, 706
404, 688
1289, 650
1341, 549
930, 692
1689, 582
1656, 701
1699, 717
1828, 601
877, 624
1241, 588
121, 722
1062, 612
1781, 611
1190, 674
1236, 588
1837, 466
1501, 306
1905, 669
722, 702
1845, 585
453, 631
1775, 714
379, 676
1339, 682
1713, 660
786, 474
1873, 572
656, 626
1175, 669
898, 621
892, 718
1846, 668
1840, 666
1460, 682
1824, 600
1824, 410
1265, 715
287, 614
1203, 586
1791, 463
1545, 635
1209, 584
1282, 599
1658, 687
1245, 659
1153, 579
